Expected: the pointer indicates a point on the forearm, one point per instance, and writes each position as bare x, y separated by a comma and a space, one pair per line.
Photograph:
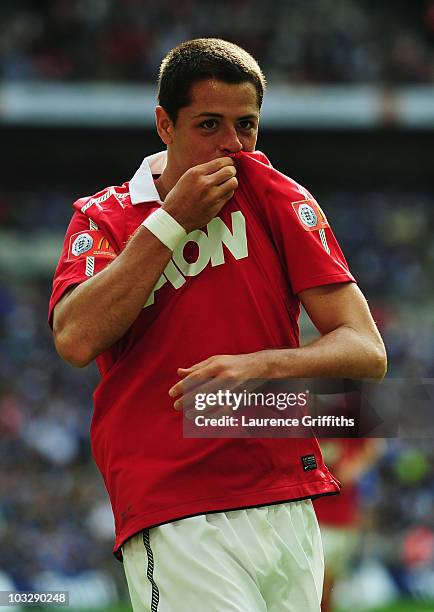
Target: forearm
100, 310
341, 353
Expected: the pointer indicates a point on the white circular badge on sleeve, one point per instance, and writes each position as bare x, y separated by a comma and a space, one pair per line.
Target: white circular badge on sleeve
82, 244
308, 215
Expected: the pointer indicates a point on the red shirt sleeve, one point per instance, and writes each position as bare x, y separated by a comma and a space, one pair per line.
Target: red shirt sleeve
298, 227
305, 241
86, 251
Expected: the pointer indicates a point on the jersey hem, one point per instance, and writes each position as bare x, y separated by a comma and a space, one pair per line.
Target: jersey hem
287, 494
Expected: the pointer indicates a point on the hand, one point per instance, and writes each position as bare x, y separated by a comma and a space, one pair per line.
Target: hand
210, 374
201, 193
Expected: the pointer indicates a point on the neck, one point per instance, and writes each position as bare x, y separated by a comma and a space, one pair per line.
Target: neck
168, 178
161, 187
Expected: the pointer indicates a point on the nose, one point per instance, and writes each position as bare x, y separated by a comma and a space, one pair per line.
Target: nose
230, 143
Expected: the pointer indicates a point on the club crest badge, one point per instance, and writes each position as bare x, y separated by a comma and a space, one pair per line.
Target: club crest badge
310, 215
82, 244
92, 243
307, 215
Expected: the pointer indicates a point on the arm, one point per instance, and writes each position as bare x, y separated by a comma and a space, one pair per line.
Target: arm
350, 345
94, 315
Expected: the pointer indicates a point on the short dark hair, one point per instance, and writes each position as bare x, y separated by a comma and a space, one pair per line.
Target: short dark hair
204, 58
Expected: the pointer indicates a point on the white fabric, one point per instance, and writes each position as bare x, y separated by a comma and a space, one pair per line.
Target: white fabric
266, 559
142, 187
165, 228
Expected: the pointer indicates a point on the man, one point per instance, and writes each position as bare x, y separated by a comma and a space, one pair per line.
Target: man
208, 524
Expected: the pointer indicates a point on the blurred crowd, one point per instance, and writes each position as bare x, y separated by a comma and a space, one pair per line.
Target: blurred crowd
298, 41
54, 515
56, 526
388, 240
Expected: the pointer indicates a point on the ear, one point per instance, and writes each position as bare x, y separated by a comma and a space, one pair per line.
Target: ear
164, 124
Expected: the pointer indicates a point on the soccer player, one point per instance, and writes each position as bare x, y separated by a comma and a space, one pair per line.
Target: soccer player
194, 269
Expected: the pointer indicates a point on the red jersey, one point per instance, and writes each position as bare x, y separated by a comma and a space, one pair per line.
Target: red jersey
230, 288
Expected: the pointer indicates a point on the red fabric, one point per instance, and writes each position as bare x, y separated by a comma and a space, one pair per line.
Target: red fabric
340, 510
154, 475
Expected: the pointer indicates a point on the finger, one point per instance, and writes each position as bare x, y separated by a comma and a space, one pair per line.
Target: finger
225, 199
214, 411
190, 381
221, 176
225, 189
222, 391
215, 164
208, 397
187, 390
176, 390
198, 374
196, 366
190, 369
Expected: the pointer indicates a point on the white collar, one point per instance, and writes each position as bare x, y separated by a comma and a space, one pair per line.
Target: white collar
142, 187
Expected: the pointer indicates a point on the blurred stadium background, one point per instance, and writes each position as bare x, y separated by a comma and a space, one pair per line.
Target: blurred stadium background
349, 113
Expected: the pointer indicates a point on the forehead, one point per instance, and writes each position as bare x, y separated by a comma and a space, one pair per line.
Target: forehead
213, 96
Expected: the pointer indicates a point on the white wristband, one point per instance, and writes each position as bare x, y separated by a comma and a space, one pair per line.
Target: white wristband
165, 228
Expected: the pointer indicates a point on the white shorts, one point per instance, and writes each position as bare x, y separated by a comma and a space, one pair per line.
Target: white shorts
266, 559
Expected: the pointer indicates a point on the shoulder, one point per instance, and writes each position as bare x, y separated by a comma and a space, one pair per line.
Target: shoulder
276, 194
111, 199
104, 211
256, 170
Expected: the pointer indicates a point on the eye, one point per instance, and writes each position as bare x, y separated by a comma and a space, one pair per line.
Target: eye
209, 124
246, 124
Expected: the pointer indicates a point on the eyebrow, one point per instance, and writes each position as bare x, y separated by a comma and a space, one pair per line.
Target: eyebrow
220, 116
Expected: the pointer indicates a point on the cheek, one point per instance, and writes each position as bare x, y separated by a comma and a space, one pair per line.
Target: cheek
203, 150
248, 142
194, 153
185, 149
